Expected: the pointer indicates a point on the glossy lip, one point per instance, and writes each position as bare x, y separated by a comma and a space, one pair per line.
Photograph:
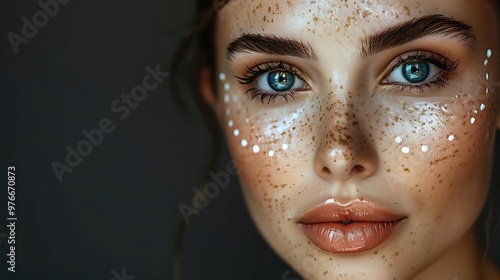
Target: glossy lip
349, 228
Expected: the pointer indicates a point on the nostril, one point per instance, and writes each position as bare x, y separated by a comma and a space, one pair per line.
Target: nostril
326, 171
358, 168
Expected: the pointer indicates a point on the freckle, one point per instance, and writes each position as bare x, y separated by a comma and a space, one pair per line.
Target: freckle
483, 107
271, 153
230, 123
222, 76
284, 147
244, 143
425, 148
226, 98
236, 132
399, 139
256, 149
405, 150
472, 120
451, 137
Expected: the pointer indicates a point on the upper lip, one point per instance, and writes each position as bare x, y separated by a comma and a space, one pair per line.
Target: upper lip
354, 211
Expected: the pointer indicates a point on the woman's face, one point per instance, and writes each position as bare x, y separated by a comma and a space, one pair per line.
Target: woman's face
363, 130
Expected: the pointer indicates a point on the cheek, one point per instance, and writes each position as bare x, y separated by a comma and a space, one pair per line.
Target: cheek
260, 137
444, 149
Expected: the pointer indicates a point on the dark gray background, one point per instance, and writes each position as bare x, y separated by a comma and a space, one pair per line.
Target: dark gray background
119, 207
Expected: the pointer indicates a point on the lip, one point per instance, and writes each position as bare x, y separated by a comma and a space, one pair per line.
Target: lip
349, 228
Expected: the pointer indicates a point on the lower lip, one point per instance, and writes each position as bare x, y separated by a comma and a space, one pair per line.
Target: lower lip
349, 238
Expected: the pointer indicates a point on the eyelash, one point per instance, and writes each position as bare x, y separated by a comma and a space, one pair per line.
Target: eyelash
446, 66
254, 73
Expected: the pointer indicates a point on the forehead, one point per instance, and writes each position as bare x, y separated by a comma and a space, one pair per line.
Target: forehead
336, 18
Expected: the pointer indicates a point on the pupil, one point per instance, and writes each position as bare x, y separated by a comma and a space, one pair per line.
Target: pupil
281, 81
416, 72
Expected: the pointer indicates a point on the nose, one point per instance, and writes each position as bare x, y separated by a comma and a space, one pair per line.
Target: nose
345, 153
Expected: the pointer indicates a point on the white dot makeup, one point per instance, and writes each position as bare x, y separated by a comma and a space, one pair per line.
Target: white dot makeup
222, 76
405, 150
244, 143
489, 53
231, 123
256, 149
425, 148
399, 139
451, 137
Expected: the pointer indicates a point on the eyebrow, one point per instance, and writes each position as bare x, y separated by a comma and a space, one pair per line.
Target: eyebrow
398, 35
415, 29
270, 44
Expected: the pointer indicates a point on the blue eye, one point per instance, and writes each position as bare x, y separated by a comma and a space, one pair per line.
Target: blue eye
280, 81
415, 72
418, 69
272, 80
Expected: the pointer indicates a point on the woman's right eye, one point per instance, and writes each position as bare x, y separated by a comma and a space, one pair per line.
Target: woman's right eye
280, 81
271, 80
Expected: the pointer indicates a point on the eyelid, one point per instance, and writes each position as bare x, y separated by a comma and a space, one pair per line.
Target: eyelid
440, 61
446, 66
251, 77
251, 74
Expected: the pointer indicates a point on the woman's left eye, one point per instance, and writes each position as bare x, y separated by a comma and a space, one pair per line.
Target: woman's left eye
419, 70
413, 72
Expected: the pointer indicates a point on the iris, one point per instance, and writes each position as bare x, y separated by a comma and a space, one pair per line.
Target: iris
416, 72
281, 80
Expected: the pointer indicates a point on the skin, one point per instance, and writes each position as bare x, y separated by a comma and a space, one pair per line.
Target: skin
340, 135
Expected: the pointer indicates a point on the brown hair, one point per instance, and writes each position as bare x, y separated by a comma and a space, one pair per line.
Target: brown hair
194, 52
